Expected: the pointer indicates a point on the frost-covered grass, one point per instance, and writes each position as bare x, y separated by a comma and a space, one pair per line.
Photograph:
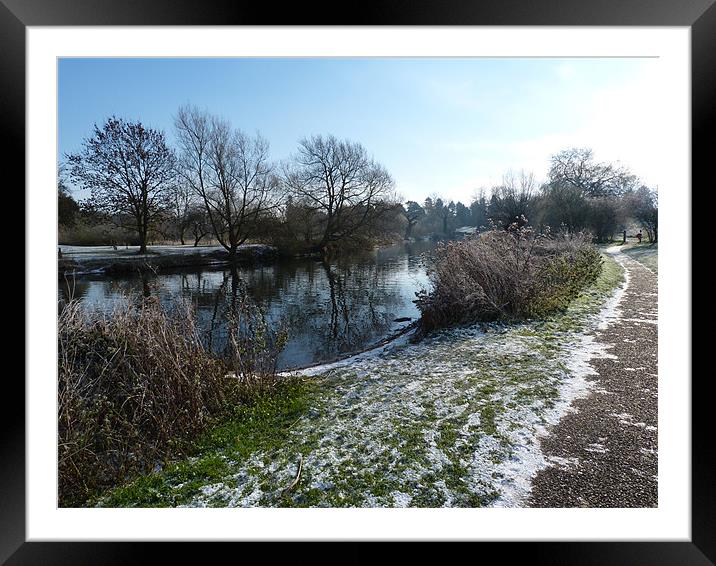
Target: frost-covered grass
646, 254
451, 421
256, 427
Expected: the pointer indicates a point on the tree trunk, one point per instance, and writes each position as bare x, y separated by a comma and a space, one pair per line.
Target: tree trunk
142, 241
326, 234
143, 221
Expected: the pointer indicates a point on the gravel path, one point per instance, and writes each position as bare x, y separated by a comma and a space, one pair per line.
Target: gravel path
604, 454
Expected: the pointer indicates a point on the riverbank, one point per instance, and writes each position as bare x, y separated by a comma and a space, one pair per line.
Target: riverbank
121, 260
454, 420
80, 260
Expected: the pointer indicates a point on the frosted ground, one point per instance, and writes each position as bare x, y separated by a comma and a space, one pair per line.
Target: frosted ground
108, 252
454, 420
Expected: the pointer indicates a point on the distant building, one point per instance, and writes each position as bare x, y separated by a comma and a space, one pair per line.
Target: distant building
465, 231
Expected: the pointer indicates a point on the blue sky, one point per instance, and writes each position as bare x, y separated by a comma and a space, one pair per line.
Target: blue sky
440, 126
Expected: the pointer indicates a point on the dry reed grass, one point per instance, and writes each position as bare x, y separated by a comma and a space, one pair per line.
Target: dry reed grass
138, 384
506, 275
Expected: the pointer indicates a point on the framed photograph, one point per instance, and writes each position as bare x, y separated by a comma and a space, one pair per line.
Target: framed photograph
388, 279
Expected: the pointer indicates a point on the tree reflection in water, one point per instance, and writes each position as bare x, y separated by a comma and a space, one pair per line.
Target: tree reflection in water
328, 310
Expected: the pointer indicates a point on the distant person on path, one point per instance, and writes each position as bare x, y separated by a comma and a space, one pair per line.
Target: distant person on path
624, 237
638, 236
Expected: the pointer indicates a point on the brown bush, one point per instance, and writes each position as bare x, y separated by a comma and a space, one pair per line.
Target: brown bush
137, 385
506, 275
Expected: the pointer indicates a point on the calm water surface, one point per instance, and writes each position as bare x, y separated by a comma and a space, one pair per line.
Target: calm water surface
329, 310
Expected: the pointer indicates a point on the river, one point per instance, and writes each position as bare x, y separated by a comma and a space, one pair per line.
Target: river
329, 310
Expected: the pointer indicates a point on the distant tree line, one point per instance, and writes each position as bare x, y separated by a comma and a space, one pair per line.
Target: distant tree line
581, 195
220, 184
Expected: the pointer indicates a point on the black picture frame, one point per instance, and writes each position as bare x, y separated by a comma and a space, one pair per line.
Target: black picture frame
699, 15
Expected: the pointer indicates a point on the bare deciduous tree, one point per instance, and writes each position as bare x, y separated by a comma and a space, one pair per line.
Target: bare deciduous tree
342, 183
302, 221
198, 223
230, 171
513, 201
563, 207
643, 205
129, 170
604, 217
181, 204
577, 167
